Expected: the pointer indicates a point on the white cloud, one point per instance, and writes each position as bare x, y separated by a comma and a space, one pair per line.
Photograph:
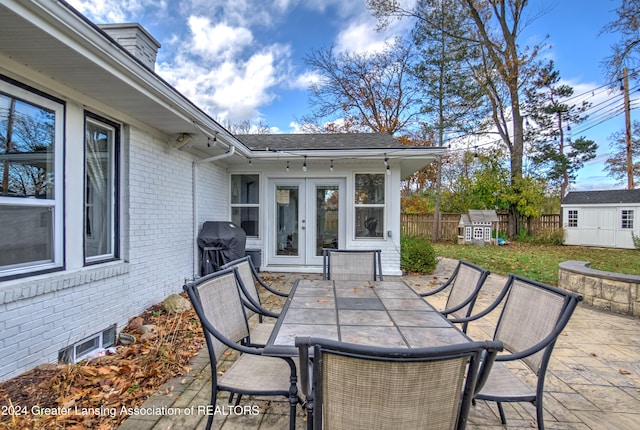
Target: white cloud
229, 89
221, 39
360, 37
108, 11
305, 80
360, 32
296, 127
214, 51
240, 13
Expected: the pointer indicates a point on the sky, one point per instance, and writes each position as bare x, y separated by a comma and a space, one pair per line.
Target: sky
244, 60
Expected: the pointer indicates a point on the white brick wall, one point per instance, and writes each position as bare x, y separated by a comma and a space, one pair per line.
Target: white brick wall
212, 206
40, 315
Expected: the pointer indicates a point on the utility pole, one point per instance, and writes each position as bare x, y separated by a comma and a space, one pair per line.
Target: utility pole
627, 119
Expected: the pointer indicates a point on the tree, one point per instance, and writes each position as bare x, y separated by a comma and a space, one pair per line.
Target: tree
372, 91
504, 70
626, 52
369, 92
490, 180
245, 127
26, 132
616, 164
555, 155
451, 100
457, 180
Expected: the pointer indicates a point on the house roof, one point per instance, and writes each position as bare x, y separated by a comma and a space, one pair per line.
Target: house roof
478, 216
351, 148
602, 197
320, 141
483, 215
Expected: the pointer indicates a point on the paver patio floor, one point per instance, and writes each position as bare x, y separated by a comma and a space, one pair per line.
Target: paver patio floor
593, 381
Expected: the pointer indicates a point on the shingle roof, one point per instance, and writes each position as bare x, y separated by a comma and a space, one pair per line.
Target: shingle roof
602, 197
483, 215
320, 141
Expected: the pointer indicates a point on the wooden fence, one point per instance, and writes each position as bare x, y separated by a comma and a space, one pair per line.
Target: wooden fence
422, 224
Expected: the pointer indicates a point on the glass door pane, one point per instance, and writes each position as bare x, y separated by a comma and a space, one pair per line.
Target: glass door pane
287, 218
327, 217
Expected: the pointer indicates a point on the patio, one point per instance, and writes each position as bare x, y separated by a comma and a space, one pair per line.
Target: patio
593, 381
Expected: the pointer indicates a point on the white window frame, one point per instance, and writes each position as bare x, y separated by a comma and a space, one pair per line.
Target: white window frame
356, 205
56, 205
572, 218
627, 217
467, 234
245, 205
95, 346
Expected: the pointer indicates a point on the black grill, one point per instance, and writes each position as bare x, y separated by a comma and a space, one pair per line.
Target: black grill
220, 242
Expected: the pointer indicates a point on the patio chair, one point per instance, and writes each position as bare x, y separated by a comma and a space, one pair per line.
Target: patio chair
249, 281
366, 387
352, 264
533, 316
217, 302
464, 286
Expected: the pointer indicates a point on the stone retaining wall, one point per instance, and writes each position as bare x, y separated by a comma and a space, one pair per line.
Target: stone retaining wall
610, 291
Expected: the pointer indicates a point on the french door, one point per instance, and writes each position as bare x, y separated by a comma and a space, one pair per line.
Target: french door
306, 216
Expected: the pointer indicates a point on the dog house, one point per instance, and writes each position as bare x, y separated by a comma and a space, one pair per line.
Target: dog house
477, 226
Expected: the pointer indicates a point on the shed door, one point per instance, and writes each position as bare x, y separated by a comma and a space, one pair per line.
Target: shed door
598, 226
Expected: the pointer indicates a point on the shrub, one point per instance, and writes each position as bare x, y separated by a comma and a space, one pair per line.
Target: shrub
417, 255
550, 236
524, 236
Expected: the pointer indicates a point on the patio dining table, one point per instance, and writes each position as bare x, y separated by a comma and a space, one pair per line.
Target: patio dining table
382, 313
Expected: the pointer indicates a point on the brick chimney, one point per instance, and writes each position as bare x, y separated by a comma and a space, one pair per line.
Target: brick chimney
135, 39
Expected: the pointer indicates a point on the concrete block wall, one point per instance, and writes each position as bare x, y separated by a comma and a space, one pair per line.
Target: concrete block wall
615, 292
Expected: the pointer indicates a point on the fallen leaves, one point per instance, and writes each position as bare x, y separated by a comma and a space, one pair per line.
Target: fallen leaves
106, 384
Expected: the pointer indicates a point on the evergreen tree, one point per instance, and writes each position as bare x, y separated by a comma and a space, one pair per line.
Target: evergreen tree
553, 153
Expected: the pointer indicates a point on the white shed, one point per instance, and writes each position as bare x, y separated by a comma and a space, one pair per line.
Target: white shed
601, 218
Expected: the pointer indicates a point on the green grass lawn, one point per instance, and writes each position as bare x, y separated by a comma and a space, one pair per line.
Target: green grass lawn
540, 262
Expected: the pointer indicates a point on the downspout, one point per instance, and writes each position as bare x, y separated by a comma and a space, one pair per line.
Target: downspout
194, 199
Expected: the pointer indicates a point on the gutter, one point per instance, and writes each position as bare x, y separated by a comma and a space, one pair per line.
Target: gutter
194, 200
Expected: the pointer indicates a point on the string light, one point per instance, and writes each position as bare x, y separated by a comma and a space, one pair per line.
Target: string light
287, 166
304, 166
331, 167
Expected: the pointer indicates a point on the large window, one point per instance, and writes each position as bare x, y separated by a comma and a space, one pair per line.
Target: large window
245, 203
627, 219
31, 180
369, 205
101, 191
